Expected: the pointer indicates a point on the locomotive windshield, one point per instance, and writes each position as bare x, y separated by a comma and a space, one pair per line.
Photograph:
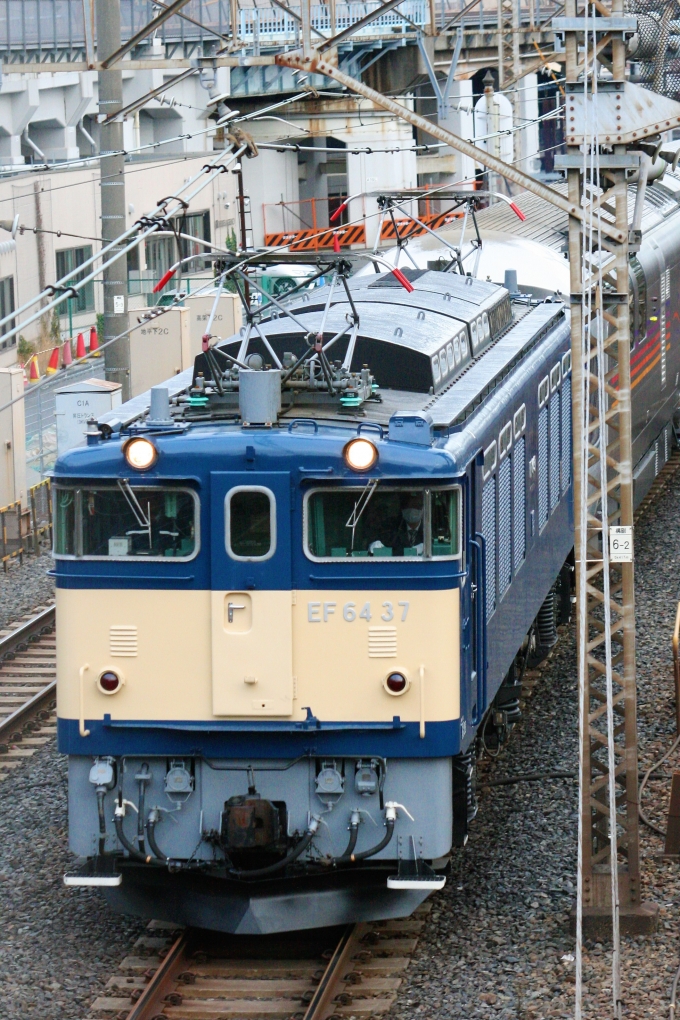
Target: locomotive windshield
121, 521
377, 522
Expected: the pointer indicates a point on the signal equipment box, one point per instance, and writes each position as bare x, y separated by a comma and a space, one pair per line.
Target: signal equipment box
159, 347
76, 403
228, 317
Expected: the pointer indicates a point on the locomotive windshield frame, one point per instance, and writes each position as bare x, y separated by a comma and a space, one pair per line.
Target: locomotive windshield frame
142, 518
423, 541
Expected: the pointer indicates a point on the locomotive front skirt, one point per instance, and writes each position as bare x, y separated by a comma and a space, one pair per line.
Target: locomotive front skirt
280, 633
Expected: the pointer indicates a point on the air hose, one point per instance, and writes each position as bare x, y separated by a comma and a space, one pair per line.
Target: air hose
390, 819
292, 856
142, 778
151, 822
101, 793
363, 854
118, 816
355, 819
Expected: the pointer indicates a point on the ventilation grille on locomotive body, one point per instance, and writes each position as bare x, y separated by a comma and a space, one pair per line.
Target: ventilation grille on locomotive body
504, 527
543, 505
500, 316
519, 496
489, 533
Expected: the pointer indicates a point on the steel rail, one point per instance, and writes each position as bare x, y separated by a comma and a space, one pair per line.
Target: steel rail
163, 985
39, 624
150, 1003
333, 975
36, 624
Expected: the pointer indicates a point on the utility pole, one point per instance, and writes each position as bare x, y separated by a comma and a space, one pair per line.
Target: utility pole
117, 356
603, 482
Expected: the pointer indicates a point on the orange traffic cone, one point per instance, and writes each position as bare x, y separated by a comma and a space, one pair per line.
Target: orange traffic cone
34, 373
66, 354
80, 346
53, 365
94, 342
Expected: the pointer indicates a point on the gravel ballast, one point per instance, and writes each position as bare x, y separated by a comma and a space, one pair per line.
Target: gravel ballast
24, 586
497, 943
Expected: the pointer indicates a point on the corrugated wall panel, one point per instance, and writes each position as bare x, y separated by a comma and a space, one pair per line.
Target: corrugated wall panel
489, 532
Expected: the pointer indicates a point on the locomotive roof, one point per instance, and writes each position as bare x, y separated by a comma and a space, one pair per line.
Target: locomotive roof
548, 225
396, 329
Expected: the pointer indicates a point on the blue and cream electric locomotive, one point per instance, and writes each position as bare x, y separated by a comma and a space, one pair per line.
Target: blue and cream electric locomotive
292, 589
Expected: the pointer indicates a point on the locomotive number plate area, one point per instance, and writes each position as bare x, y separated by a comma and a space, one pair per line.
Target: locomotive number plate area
346, 643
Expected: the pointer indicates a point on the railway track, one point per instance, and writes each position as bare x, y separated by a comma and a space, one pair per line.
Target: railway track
321, 974
27, 687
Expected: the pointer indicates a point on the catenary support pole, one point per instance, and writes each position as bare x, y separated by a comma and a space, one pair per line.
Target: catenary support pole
112, 169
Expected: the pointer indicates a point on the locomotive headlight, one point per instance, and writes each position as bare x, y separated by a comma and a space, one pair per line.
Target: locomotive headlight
140, 453
360, 454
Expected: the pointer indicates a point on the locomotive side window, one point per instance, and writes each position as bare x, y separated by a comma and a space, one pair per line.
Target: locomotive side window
107, 522
378, 523
250, 523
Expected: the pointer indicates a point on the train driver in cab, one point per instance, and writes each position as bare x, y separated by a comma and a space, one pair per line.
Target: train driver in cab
404, 533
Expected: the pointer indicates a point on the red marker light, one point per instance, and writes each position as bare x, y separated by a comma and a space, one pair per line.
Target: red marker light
396, 683
517, 211
338, 212
406, 284
163, 280
109, 682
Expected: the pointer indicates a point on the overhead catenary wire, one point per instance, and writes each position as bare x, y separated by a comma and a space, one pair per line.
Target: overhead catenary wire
161, 211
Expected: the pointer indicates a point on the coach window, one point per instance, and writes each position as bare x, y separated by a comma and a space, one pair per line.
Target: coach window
123, 521
377, 522
250, 523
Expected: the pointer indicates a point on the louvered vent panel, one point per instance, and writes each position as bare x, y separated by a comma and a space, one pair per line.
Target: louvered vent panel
504, 527
123, 640
565, 451
554, 450
489, 532
542, 467
382, 642
519, 499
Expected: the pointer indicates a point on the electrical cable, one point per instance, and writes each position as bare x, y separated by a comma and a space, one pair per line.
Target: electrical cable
527, 777
363, 854
101, 793
349, 849
155, 223
151, 823
122, 838
297, 850
643, 817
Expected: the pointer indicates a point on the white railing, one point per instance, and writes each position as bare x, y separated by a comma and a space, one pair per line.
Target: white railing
269, 24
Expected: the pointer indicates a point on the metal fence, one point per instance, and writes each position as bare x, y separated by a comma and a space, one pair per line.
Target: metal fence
40, 506
42, 30
12, 544
23, 530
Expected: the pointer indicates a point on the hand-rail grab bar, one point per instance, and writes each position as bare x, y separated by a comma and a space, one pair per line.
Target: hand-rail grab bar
81, 722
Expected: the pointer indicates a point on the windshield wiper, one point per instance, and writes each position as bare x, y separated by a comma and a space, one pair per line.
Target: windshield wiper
144, 520
360, 506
